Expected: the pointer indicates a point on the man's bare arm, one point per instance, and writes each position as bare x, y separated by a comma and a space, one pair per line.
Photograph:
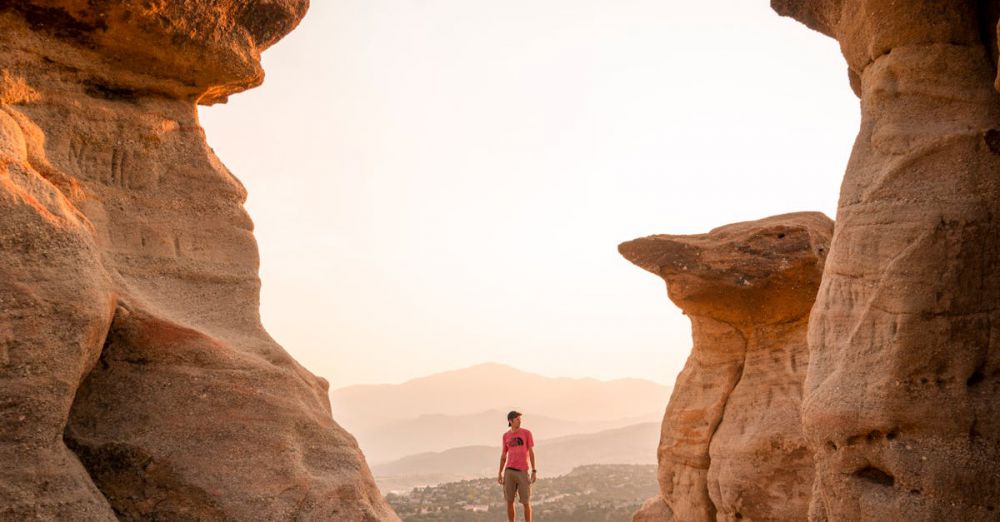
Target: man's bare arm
503, 460
531, 455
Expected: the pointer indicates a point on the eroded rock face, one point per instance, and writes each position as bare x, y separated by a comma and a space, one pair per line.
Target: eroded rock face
653, 510
130, 339
731, 445
901, 402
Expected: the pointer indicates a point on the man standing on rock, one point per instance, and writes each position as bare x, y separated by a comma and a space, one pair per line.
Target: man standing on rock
517, 449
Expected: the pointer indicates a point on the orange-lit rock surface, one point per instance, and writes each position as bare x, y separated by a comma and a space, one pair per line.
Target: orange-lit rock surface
901, 398
137, 381
731, 444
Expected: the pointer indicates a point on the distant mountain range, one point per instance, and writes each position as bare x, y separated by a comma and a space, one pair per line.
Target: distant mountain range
634, 444
467, 407
434, 433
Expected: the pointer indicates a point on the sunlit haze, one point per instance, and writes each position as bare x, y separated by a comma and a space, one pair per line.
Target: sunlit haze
441, 183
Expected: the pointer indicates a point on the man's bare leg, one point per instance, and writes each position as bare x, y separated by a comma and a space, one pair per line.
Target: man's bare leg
510, 511
527, 512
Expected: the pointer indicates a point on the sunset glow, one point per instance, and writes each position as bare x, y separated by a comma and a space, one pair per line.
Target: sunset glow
440, 183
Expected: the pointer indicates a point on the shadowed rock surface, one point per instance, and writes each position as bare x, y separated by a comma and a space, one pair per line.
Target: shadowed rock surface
901, 398
136, 381
731, 445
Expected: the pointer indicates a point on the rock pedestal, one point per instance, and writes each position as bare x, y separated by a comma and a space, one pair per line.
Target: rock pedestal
731, 444
901, 399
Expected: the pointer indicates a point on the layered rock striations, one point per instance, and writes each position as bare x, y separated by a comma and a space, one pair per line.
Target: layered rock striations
731, 445
901, 398
136, 381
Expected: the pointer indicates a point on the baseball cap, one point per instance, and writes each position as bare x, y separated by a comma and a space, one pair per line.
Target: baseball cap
512, 415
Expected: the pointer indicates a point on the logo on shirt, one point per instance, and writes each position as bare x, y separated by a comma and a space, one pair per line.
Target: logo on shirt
515, 441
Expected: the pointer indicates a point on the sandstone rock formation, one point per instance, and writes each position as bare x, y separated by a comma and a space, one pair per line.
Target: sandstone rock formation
731, 445
137, 381
901, 398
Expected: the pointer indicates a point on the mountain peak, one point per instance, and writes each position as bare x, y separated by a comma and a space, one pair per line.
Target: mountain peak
487, 367
489, 371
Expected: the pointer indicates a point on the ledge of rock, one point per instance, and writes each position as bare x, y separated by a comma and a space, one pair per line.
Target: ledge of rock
869, 29
901, 398
138, 382
731, 444
203, 50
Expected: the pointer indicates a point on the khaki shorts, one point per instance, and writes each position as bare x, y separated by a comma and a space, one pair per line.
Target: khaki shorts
516, 481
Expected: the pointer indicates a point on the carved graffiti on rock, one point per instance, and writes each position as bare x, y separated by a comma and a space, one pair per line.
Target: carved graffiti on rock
118, 166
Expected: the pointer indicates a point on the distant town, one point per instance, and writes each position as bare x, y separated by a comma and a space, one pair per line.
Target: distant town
592, 493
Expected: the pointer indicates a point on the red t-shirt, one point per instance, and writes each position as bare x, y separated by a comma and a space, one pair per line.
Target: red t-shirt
515, 446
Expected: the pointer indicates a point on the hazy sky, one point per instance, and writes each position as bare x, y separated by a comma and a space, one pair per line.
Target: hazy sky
439, 183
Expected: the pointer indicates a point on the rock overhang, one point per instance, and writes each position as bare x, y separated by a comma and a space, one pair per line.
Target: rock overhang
870, 29
744, 269
204, 51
